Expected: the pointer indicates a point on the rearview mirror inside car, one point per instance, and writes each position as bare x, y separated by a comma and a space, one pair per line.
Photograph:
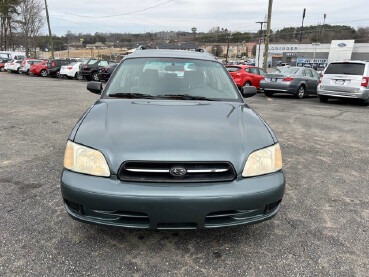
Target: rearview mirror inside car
95, 87
248, 91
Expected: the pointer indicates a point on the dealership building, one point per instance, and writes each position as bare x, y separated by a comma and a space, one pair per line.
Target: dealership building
315, 54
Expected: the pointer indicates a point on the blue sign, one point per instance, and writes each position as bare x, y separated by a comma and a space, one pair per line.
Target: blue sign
342, 44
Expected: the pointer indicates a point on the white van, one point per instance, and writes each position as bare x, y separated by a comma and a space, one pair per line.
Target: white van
345, 79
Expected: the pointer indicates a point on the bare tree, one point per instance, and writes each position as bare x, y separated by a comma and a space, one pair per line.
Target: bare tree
30, 21
8, 12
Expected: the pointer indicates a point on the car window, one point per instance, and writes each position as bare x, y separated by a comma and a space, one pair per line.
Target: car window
287, 70
254, 70
167, 76
85, 61
315, 74
261, 72
307, 72
92, 61
233, 68
345, 68
103, 63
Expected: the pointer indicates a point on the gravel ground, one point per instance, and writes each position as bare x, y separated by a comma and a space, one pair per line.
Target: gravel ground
321, 229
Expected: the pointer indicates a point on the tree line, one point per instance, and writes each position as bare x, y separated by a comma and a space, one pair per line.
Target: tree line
20, 24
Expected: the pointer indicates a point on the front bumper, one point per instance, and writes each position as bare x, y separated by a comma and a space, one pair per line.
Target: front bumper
287, 87
111, 202
363, 93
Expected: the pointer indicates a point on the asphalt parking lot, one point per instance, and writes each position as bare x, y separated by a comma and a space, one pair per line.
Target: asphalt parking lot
322, 228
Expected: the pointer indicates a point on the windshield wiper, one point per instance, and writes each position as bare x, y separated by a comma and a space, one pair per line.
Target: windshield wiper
131, 95
186, 97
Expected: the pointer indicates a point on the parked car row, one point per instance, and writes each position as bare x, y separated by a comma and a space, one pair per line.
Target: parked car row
340, 80
90, 69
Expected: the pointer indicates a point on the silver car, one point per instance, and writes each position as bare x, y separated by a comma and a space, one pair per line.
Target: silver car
26, 65
298, 81
345, 79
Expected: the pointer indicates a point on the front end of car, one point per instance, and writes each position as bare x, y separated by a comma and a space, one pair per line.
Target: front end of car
185, 182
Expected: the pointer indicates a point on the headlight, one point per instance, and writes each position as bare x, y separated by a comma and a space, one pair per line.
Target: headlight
263, 161
83, 159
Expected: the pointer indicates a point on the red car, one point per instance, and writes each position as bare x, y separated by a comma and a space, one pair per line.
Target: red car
39, 69
2, 64
246, 75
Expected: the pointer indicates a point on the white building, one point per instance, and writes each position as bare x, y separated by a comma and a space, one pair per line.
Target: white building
314, 54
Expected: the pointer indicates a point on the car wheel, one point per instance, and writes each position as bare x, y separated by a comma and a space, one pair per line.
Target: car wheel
268, 93
300, 92
18, 72
58, 74
365, 103
43, 73
95, 77
323, 99
247, 84
27, 71
79, 76
2, 69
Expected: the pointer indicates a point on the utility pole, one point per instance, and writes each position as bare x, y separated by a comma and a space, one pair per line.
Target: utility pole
325, 16
194, 29
229, 37
266, 48
302, 25
261, 31
50, 36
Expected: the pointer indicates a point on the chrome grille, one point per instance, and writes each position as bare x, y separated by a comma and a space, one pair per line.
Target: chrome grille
152, 171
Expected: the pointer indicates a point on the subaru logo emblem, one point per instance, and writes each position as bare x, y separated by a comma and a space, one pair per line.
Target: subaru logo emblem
177, 171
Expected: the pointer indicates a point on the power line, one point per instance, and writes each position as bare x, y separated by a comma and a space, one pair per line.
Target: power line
114, 15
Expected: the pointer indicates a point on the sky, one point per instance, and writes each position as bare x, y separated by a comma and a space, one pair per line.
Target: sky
139, 16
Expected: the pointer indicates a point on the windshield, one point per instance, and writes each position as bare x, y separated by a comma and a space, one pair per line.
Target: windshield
172, 78
346, 68
286, 70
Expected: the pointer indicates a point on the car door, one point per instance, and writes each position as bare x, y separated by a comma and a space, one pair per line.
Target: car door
308, 77
315, 80
253, 73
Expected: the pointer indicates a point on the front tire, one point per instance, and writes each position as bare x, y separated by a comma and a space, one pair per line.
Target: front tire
58, 74
300, 92
2, 69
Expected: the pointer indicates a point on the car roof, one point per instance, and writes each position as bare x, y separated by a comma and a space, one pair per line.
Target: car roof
241, 65
164, 53
350, 61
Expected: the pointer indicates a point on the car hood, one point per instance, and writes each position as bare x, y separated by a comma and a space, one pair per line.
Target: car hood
172, 130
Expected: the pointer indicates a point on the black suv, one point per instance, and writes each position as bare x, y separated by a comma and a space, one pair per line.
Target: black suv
91, 68
53, 67
105, 72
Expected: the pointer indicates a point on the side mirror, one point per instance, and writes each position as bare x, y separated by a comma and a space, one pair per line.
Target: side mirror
248, 91
95, 87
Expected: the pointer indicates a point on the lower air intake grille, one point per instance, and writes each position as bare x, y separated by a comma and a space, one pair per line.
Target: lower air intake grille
176, 172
